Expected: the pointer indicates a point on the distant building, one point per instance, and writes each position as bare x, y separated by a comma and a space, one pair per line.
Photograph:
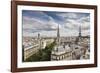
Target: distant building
33, 46
69, 49
61, 51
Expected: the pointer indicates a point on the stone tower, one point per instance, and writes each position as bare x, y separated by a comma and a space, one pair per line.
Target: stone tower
58, 38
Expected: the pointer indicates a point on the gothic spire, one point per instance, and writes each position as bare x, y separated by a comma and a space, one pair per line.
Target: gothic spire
58, 36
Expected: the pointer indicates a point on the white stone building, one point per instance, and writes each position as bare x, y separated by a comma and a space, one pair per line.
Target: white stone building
33, 46
69, 50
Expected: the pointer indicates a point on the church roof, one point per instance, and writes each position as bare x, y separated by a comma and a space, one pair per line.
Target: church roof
61, 50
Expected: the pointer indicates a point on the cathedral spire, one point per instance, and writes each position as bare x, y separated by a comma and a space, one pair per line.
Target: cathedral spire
58, 36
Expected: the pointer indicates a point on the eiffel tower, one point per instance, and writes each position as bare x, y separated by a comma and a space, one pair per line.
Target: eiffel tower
79, 31
79, 36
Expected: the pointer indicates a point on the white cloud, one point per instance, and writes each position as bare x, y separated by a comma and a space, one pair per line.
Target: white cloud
74, 21
48, 27
68, 15
33, 23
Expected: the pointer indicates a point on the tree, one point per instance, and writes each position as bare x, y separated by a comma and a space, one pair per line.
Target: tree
42, 54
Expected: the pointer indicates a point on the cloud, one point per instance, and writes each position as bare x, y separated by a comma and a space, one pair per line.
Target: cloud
74, 20
46, 23
33, 24
68, 15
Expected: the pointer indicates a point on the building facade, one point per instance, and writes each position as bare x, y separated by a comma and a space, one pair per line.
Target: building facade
32, 46
71, 48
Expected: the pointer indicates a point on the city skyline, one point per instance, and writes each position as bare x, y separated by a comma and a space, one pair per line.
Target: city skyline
46, 22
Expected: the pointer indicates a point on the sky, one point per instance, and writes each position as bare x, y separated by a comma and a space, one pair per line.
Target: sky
46, 23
